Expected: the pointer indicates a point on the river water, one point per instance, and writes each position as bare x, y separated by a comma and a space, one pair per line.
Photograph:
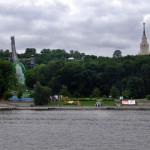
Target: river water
74, 130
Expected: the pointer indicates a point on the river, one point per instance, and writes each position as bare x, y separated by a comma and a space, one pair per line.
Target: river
74, 130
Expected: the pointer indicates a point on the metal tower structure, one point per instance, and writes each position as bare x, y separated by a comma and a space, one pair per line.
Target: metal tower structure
13, 48
19, 67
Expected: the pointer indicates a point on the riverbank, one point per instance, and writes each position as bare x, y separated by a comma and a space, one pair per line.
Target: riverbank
77, 108
7, 105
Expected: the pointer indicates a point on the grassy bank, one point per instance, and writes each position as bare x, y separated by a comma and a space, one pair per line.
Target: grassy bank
82, 102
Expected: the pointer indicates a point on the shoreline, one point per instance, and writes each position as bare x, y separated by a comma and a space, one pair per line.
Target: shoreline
77, 108
5, 105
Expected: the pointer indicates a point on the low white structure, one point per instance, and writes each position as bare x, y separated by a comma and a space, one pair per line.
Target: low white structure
71, 59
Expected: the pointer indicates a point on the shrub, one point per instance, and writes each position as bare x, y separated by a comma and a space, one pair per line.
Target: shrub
41, 94
114, 92
19, 94
108, 99
7, 95
148, 97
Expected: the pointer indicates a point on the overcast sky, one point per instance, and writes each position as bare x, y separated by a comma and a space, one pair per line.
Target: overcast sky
95, 27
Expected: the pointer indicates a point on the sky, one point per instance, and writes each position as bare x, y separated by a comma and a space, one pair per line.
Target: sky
93, 27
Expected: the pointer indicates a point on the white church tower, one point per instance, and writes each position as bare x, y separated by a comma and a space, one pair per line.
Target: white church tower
144, 46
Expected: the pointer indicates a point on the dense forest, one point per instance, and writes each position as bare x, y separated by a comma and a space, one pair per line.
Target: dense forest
82, 75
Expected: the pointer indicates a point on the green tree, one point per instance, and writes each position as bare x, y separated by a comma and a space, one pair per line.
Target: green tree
96, 92
4, 54
76, 54
125, 94
64, 91
71, 74
136, 87
145, 74
19, 94
7, 95
117, 53
30, 51
30, 79
7, 76
41, 94
114, 92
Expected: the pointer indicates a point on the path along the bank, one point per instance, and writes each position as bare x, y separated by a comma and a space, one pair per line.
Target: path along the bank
30, 106
77, 108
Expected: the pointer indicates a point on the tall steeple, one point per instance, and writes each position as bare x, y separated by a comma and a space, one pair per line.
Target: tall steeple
144, 46
144, 29
13, 48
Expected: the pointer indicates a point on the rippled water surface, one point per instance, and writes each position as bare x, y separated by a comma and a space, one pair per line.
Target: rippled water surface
75, 130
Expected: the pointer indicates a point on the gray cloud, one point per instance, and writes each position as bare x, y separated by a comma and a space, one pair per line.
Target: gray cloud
94, 27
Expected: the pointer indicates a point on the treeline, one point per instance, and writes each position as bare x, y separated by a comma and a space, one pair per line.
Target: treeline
43, 57
88, 75
95, 76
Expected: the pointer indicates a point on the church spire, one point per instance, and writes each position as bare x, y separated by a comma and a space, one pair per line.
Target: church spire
144, 46
144, 28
